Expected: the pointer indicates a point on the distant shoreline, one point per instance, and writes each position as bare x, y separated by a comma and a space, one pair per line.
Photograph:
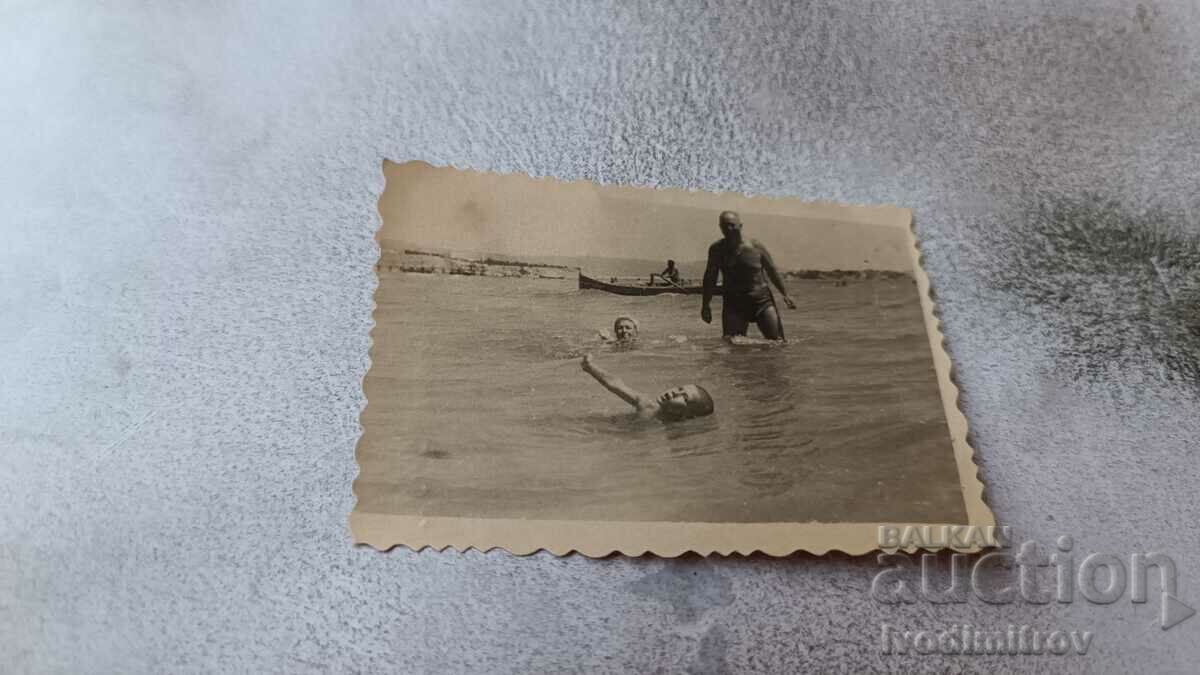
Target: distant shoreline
845, 274
427, 262
488, 260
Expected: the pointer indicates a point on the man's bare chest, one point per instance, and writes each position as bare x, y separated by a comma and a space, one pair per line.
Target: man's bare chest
744, 258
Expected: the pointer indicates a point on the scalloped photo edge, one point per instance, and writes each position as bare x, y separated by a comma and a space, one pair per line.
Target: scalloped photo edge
600, 538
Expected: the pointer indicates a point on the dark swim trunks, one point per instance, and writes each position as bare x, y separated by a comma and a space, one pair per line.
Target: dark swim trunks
746, 307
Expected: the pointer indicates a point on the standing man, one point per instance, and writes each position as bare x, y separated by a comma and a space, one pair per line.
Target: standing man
744, 267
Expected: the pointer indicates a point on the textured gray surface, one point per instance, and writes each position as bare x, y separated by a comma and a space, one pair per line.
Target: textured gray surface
185, 296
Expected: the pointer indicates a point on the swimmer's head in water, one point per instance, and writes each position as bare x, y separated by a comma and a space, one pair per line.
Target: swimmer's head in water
685, 402
625, 328
730, 222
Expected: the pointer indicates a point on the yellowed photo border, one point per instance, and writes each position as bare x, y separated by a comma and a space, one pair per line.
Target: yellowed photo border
670, 539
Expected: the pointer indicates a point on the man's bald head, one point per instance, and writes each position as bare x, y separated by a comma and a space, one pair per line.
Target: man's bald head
731, 225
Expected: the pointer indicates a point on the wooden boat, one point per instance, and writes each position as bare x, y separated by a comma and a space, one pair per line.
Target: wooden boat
627, 286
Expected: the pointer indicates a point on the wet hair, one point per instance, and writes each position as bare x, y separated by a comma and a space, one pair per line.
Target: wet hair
630, 319
730, 217
700, 407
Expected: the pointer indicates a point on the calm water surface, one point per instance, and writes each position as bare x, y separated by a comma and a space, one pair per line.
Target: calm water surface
477, 407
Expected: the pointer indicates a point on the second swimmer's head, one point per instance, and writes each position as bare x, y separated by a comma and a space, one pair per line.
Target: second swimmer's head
625, 328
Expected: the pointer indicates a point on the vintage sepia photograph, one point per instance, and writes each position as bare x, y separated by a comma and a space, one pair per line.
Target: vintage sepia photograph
576, 367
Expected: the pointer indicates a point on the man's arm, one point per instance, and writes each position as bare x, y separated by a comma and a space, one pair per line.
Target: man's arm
710, 281
773, 274
613, 383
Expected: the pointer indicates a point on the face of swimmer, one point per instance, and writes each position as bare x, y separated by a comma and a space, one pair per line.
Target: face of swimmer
684, 402
625, 329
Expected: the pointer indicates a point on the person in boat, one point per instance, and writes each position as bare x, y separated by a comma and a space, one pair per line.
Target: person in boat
744, 266
624, 330
679, 403
671, 274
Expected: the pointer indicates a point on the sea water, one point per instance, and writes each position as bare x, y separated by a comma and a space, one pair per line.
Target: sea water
477, 406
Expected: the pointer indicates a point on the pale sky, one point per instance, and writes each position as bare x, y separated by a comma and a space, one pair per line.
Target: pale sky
514, 214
